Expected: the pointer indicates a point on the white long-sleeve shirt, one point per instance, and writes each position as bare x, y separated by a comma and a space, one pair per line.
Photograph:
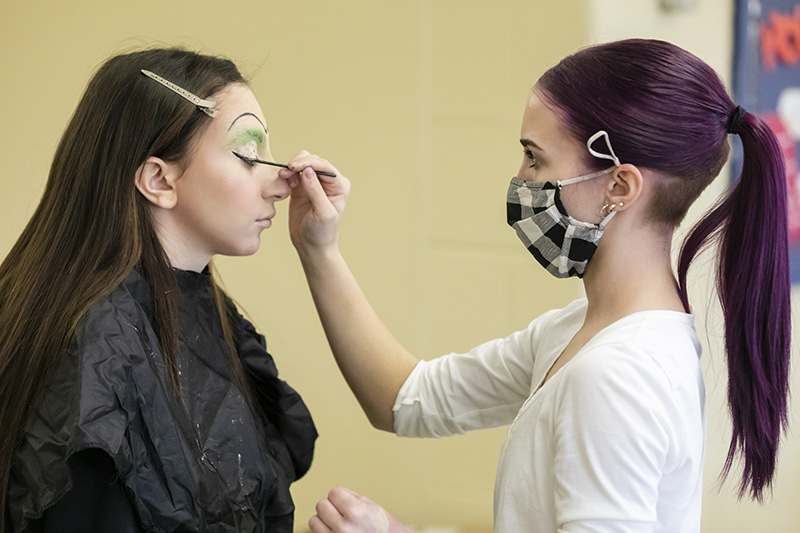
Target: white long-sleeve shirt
612, 442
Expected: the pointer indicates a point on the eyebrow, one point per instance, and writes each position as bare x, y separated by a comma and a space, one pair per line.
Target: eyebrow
527, 143
248, 115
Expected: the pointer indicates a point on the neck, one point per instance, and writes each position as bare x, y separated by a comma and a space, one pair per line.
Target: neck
182, 259
182, 254
629, 275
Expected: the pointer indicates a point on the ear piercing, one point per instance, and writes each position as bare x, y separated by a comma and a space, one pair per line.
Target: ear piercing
610, 208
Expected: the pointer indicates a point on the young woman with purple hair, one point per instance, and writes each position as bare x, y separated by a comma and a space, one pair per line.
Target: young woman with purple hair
605, 397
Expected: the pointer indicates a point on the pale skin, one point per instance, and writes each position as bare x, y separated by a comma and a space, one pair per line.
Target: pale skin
630, 272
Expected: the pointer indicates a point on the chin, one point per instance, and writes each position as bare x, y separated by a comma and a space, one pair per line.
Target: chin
250, 250
242, 250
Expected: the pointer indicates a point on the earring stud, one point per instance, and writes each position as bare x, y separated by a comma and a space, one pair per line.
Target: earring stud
610, 208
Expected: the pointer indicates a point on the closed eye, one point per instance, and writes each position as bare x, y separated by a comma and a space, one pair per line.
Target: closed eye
251, 161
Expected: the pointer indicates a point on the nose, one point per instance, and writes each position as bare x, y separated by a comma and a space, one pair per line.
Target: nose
273, 186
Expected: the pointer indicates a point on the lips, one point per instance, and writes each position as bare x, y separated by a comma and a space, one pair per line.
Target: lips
265, 221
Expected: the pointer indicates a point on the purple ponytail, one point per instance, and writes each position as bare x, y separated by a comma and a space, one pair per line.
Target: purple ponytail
754, 289
668, 111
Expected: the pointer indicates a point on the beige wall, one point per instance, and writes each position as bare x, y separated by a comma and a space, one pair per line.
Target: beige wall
419, 104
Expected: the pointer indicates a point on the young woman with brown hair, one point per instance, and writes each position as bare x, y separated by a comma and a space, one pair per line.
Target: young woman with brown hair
133, 395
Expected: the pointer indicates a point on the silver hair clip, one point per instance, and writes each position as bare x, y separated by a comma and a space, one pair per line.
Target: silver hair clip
206, 106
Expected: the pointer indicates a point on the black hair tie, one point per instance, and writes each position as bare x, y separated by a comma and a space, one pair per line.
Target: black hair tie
735, 120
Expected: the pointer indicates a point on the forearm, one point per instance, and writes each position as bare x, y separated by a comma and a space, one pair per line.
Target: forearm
374, 364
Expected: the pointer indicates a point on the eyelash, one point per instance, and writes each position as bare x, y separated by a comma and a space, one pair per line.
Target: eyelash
250, 162
530, 156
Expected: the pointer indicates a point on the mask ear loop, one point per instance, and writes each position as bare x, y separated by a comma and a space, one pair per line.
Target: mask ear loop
595, 153
602, 133
613, 157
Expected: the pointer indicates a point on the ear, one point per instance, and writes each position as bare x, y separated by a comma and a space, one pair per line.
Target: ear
155, 179
625, 187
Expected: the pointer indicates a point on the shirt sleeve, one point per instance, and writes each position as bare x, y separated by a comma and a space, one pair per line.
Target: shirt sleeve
616, 419
486, 386
455, 393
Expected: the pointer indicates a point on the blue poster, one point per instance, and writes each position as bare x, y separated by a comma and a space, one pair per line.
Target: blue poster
766, 82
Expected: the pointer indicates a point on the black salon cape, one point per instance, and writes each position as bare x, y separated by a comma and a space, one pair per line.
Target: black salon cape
203, 464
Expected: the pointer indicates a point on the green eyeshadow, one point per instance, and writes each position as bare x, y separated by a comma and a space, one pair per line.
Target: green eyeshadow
246, 135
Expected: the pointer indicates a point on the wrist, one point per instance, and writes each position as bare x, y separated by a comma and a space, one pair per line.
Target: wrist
314, 257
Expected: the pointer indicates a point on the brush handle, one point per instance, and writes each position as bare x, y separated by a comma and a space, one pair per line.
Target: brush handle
249, 160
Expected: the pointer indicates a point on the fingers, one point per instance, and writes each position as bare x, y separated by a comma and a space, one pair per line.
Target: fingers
342, 498
292, 179
347, 511
332, 511
316, 525
316, 193
333, 183
329, 515
317, 202
304, 160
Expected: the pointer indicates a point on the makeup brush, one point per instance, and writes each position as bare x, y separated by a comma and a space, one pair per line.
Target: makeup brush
253, 160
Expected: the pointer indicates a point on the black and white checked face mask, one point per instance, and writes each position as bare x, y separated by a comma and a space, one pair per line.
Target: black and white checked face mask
560, 243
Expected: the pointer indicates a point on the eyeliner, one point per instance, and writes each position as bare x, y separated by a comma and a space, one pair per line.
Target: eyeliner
243, 158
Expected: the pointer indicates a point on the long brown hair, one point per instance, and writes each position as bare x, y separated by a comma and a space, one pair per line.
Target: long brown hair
92, 227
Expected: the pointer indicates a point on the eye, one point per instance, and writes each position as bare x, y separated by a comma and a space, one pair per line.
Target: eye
248, 152
250, 161
529, 155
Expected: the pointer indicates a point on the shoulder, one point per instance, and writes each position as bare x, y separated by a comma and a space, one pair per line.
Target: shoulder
119, 364
659, 344
120, 325
644, 369
613, 371
116, 346
128, 304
